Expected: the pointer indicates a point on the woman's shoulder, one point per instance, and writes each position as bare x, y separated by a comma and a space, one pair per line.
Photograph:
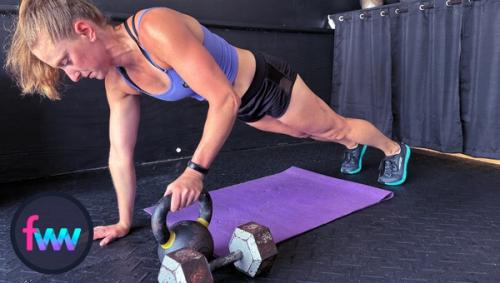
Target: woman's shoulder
159, 11
151, 19
164, 24
161, 31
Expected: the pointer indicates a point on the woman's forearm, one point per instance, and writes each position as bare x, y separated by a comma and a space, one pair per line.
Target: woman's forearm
124, 181
218, 126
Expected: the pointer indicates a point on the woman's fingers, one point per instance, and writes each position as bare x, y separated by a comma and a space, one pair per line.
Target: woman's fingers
193, 196
99, 232
109, 233
174, 205
107, 239
185, 197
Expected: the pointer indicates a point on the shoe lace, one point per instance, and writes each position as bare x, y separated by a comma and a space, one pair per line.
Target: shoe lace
390, 166
348, 156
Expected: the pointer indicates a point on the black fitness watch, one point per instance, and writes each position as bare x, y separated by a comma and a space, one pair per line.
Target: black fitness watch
197, 167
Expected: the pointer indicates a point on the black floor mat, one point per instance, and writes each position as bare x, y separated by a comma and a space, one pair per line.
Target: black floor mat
443, 225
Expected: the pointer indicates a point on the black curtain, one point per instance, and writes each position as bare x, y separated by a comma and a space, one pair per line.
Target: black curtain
426, 52
480, 78
440, 65
362, 67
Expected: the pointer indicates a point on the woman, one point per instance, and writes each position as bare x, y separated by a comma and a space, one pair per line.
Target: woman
170, 56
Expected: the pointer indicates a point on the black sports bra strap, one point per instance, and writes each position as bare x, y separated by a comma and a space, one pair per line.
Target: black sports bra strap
133, 26
136, 40
135, 36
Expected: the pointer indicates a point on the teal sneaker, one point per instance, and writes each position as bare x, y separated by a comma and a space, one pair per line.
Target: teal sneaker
353, 160
393, 169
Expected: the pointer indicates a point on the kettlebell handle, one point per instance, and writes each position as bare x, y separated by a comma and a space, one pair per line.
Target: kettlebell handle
159, 217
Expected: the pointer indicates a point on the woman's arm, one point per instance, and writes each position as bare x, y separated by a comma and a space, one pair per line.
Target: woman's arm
167, 36
123, 125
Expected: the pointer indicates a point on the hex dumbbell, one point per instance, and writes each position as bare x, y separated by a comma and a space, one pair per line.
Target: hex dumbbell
252, 250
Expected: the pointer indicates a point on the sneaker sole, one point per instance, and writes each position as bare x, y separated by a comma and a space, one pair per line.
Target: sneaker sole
407, 158
363, 150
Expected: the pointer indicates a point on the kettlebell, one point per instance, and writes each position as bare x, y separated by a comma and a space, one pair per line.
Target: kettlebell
186, 233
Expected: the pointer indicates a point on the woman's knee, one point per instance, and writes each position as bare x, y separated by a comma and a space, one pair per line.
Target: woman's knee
336, 131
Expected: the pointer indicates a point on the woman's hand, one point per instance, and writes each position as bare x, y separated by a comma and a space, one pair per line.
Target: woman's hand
110, 233
185, 189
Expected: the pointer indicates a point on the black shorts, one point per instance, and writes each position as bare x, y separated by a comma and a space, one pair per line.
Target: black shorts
270, 90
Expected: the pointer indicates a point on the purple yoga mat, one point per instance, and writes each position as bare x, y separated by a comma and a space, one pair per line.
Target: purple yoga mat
289, 203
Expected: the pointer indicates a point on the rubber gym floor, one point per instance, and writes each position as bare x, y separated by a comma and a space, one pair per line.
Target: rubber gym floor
443, 225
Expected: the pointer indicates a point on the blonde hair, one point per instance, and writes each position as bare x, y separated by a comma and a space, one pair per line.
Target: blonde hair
55, 18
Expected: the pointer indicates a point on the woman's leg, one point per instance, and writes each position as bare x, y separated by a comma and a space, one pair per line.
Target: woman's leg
270, 124
308, 114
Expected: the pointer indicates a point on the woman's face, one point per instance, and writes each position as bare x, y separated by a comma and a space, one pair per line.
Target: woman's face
82, 56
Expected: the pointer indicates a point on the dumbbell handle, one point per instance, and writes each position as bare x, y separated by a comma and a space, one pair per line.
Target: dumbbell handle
225, 260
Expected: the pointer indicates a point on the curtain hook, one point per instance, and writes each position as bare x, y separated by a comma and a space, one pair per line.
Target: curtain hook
425, 6
453, 2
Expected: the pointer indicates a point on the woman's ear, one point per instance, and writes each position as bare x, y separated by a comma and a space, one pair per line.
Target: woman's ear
85, 29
